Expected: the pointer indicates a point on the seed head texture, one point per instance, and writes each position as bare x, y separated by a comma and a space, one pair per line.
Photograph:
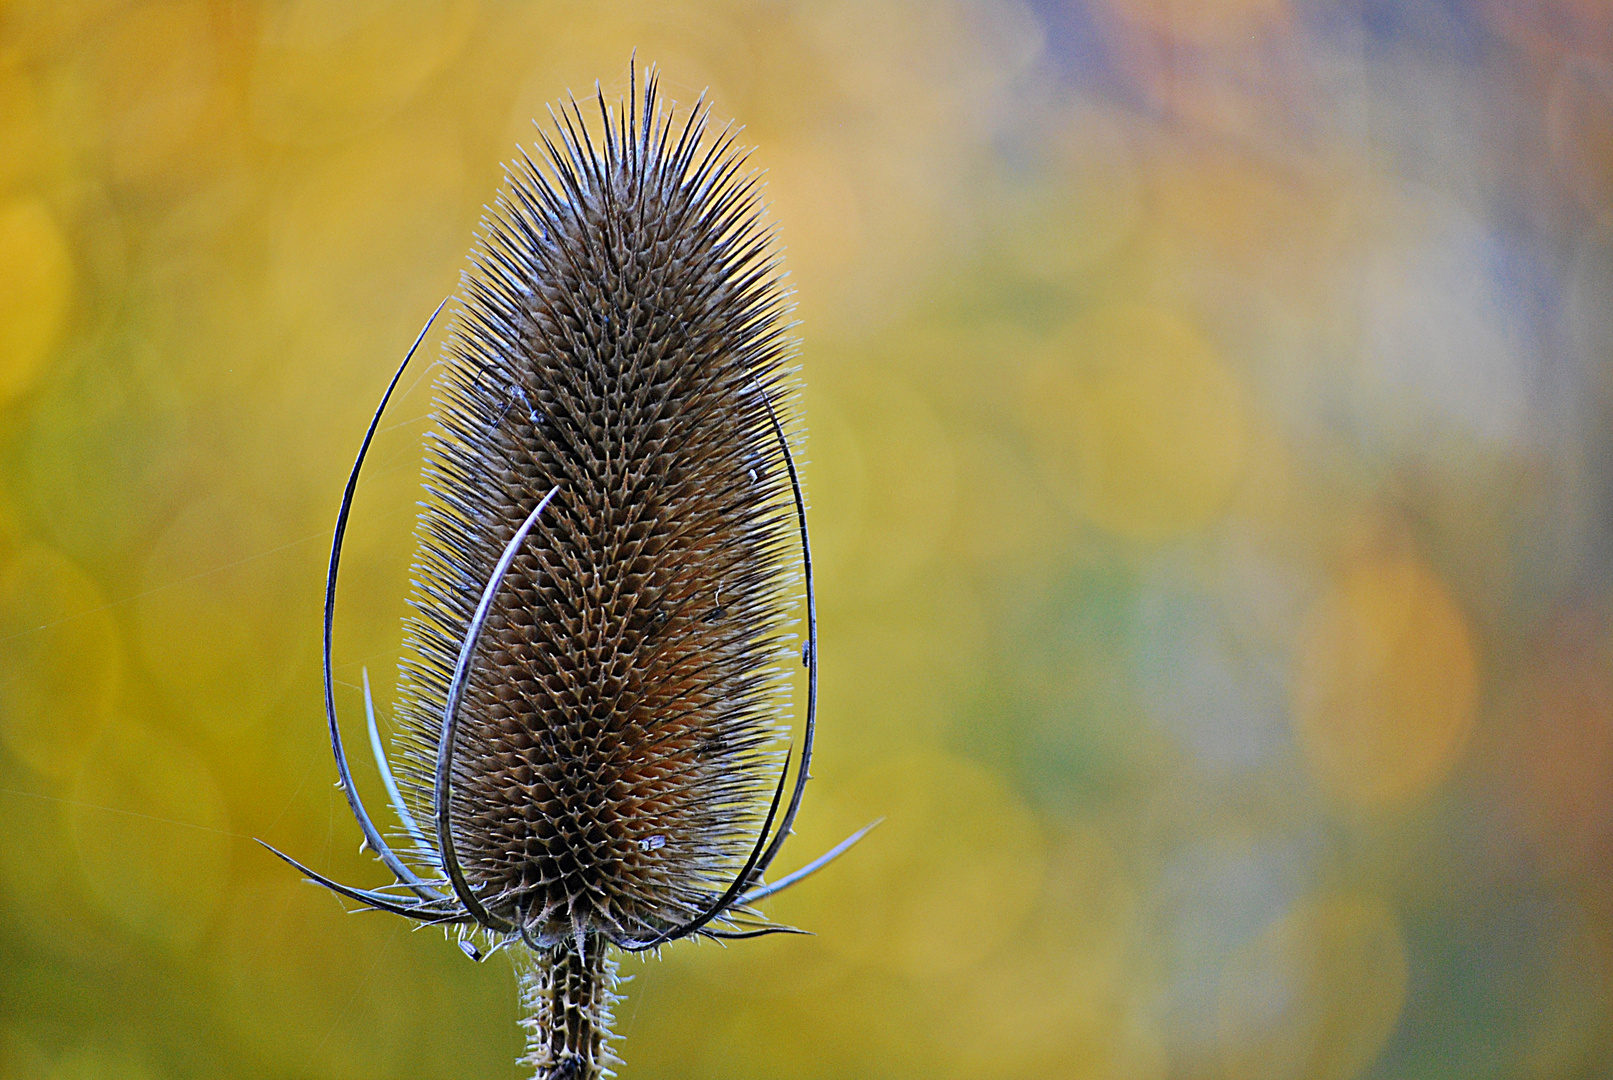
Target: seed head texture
622, 338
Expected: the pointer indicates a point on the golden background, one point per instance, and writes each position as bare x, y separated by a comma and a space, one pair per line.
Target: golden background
1209, 462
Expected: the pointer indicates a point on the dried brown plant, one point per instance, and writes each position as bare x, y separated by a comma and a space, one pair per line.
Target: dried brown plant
596, 668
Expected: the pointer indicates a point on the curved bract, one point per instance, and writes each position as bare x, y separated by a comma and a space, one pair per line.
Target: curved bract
607, 554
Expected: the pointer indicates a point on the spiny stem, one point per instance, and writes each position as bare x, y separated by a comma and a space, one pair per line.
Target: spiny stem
566, 996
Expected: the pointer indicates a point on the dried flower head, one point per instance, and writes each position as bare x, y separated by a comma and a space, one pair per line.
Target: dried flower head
602, 589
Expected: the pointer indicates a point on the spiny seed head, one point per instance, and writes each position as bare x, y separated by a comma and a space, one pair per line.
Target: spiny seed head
622, 335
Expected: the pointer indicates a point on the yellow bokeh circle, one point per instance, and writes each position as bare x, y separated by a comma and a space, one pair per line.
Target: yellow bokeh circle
879, 470
36, 282
23, 136
150, 828
214, 616
1139, 424
60, 660
159, 78
320, 72
1052, 1000
950, 874
1386, 683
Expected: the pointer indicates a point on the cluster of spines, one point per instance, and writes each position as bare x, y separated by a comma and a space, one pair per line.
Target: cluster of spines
623, 338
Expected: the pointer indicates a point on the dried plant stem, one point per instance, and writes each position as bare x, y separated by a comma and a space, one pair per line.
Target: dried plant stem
566, 999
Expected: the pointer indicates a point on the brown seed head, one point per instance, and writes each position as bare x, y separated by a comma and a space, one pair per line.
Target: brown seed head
623, 334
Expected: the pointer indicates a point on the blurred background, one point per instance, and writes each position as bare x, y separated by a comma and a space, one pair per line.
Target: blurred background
1210, 474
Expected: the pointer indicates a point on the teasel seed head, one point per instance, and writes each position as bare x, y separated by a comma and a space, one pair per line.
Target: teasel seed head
596, 663
623, 335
